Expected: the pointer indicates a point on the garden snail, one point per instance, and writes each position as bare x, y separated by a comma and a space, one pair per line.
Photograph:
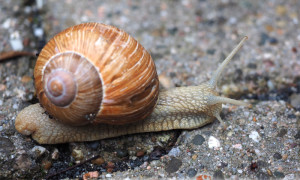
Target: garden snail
97, 74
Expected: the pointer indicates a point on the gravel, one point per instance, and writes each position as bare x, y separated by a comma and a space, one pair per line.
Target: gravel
187, 39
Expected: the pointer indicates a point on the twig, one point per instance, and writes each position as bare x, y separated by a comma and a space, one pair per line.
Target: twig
13, 54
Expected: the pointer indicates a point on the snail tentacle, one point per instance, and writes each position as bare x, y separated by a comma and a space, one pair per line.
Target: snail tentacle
216, 76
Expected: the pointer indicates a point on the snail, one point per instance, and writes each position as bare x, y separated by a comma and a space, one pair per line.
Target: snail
95, 81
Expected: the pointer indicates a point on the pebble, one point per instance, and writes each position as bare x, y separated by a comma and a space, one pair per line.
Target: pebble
2, 87
90, 175
213, 143
237, 146
55, 154
295, 100
282, 132
77, 154
110, 167
191, 172
297, 136
122, 153
46, 164
140, 153
255, 136
6, 146
157, 153
175, 152
194, 157
26, 79
23, 162
38, 150
38, 32
173, 165
198, 140
277, 155
108, 175
98, 161
15, 106
218, 175
16, 41
278, 174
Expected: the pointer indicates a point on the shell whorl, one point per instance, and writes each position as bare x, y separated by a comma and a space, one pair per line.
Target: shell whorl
96, 73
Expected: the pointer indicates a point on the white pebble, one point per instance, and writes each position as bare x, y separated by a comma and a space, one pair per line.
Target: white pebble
108, 175
255, 136
237, 146
15, 106
240, 171
38, 150
174, 152
6, 23
213, 143
38, 32
15, 41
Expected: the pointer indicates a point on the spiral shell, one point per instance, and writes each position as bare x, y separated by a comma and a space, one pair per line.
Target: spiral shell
95, 73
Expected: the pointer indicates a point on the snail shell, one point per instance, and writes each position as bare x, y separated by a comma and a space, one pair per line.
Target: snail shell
95, 73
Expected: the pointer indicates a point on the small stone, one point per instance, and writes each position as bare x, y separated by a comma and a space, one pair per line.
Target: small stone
110, 167
121, 153
194, 157
108, 175
26, 79
198, 140
77, 154
157, 153
140, 153
284, 157
281, 10
237, 146
2, 87
15, 106
38, 32
165, 81
282, 132
255, 136
173, 165
273, 41
55, 154
295, 100
16, 41
213, 143
218, 175
191, 172
22, 162
211, 51
277, 155
269, 172
98, 161
262, 175
175, 152
6, 146
269, 28
91, 175
278, 174
38, 150
46, 164
93, 145
297, 136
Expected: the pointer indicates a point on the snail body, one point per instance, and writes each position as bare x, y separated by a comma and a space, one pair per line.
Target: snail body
97, 82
